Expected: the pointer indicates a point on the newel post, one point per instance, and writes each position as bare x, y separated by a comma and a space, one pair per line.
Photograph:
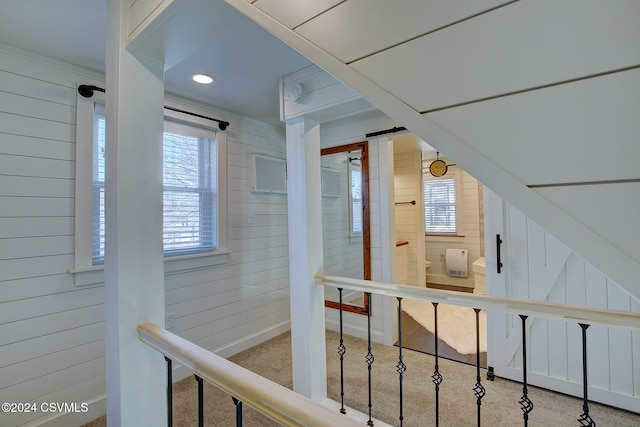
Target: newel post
305, 258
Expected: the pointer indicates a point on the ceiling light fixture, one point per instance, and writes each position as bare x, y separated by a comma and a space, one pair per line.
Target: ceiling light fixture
203, 79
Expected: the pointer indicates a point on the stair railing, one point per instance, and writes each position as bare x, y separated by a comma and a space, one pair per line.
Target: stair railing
584, 316
245, 387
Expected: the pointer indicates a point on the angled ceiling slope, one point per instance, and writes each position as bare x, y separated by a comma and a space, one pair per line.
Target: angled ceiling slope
520, 94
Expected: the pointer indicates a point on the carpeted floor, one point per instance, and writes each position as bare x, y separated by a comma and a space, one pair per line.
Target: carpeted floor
457, 402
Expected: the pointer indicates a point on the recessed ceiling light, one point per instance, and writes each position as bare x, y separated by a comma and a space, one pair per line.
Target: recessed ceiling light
203, 79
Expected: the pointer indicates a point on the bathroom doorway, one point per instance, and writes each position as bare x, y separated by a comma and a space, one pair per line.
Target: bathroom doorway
345, 221
447, 218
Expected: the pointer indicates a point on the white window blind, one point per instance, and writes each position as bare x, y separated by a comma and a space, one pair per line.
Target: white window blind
190, 200
189, 170
97, 202
440, 206
356, 200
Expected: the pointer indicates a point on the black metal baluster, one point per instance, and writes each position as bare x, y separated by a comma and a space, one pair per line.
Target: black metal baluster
525, 404
341, 351
200, 401
169, 392
238, 404
478, 389
369, 357
585, 419
401, 367
437, 378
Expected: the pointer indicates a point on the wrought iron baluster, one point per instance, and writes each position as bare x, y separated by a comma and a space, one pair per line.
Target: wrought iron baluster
169, 392
369, 357
437, 377
200, 401
238, 404
479, 390
341, 351
585, 419
525, 403
401, 367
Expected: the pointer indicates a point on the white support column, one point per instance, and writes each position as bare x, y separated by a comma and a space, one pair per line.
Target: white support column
305, 258
134, 268
388, 236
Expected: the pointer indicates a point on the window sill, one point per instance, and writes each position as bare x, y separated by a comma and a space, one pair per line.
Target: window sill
444, 237
94, 275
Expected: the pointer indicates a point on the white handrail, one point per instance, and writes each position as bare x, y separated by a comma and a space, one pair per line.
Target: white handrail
592, 316
273, 400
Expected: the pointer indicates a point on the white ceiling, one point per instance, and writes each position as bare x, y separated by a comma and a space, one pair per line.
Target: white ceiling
202, 36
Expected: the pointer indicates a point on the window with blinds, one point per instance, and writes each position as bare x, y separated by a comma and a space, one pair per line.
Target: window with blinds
97, 202
440, 206
190, 189
356, 199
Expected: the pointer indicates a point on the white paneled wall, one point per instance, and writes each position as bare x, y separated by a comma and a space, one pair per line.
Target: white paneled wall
51, 331
469, 233
539, 267
407, 187
343, 253
346, 133
518, 93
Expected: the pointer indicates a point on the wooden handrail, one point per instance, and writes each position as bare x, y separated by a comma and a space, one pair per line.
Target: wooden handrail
273, 400
592, 316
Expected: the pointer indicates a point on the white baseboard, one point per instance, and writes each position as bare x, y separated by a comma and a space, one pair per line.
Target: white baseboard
180, 372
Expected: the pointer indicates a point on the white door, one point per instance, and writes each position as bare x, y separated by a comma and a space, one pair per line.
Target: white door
537, 266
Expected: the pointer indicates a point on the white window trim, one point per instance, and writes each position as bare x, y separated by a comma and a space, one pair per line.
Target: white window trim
455, 171
85, 272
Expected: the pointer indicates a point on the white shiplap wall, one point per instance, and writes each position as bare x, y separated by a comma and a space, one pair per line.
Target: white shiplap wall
346, 132
468, 230
407, 185
539, 267
52, 332
342, 252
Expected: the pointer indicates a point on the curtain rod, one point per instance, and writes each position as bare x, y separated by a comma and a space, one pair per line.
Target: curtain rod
383, 132
87, 92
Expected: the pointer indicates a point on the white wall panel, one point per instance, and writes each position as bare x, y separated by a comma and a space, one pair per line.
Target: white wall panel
51, 331
530, 270
294, 12
374, 25
35, 206
523, 45
557, 134
56, 112
611, 209
43, 148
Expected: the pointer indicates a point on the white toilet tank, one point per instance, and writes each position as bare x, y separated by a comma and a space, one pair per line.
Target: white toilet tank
479, 276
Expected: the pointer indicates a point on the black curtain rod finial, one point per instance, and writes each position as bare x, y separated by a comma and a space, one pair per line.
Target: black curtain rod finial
87, 90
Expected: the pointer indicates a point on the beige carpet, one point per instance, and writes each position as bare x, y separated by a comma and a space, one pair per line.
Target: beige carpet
456, 325
458, 405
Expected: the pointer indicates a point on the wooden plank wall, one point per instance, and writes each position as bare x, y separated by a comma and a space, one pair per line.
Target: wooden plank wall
407, 186
51, 331
539, 267
342, 252
518, 84
341, 133
468, 229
